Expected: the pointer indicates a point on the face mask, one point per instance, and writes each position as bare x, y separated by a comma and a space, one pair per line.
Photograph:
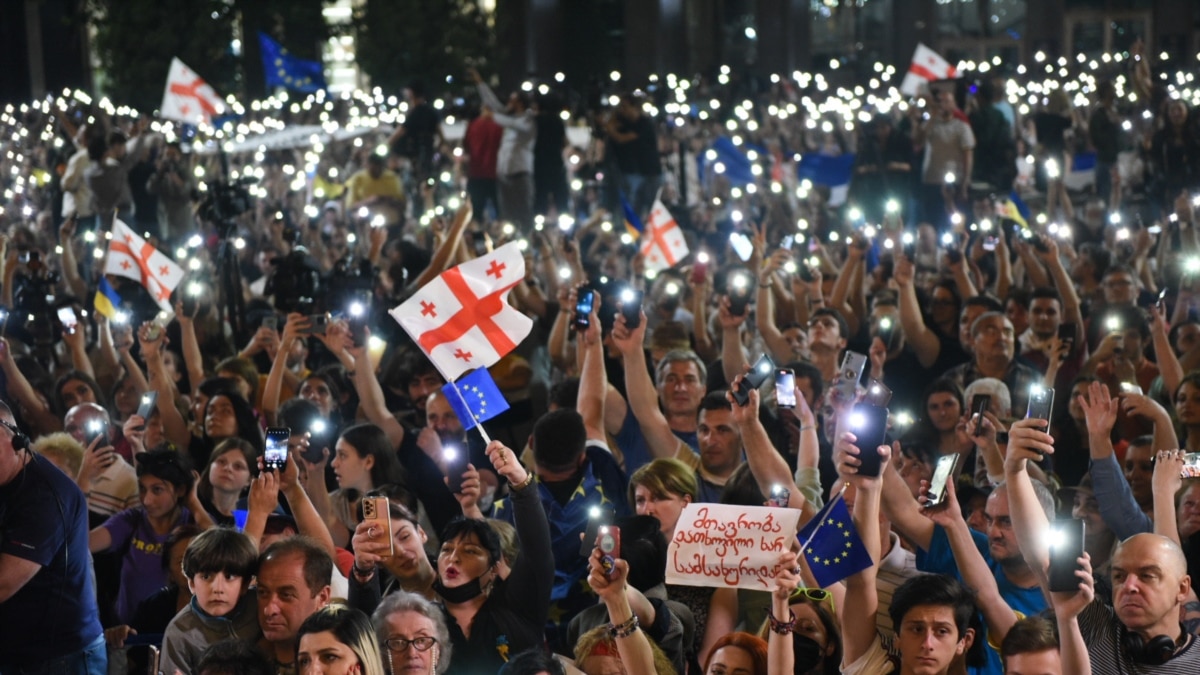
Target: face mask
459, 594
808, 653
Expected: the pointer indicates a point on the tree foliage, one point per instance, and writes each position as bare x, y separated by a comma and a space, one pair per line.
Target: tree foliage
136, 40
403, 40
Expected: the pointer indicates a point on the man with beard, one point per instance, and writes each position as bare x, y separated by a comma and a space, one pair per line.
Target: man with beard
575, 476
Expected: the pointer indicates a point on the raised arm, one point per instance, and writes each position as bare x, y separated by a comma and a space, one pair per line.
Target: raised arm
593, 380
733, 359
19, 390
370, 395
781, 657
643, 399
1118, 508
1164, 356
766, 464
528, 585
900, 507
443, 253
924, 342
293, 328
862, 600
1067, 607
1026, 441
764, 314
974, 569
1168, 468
175, 427
633, 647
192, 357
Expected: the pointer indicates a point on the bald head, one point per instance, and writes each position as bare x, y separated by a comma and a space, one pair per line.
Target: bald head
1156, 547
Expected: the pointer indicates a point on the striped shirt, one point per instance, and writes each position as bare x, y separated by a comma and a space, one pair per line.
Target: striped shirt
1102, 632
114, 490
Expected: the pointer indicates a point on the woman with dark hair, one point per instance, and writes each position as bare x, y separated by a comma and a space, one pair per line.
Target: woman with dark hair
76, 387
407, 569
168, 500
226, 478
1187, 411
337, 640
227, 415
363, 461
807, 616
942, 411
494, 617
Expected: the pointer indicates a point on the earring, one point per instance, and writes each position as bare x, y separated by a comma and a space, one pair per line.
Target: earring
437, 653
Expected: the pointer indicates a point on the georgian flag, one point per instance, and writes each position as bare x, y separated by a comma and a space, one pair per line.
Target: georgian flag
663, 244
927, 66
188, 98
462, 319
130, 256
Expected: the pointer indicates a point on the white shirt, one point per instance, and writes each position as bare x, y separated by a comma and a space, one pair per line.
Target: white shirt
515, 155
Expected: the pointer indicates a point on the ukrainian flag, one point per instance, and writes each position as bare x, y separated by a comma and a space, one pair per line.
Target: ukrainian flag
1014, 209
632, 223
107, 301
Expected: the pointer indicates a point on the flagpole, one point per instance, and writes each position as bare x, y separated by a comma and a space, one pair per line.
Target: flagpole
811, 535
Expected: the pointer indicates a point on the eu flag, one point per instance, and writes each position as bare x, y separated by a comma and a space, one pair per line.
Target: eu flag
281, 69
483, 398
836, 551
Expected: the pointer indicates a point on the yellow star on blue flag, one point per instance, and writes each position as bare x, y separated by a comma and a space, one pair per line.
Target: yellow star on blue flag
834, 551
281, 69
480, 398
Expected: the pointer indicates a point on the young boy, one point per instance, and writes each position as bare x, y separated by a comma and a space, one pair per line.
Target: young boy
218, 564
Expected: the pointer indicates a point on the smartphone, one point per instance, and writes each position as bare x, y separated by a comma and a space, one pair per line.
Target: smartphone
1066, 545
785, 388
276, 453
942, 473
787, 242
878, 394
1066, 332
377, 513
583, 310
271, 322
753, 380
357, 327
739, 294
779, 496
153, 332
191, 298
699, 269
66, 316
868, 423
597, 517
609, 543
989, 242
455, 459
631, 307
93, 430
146, 407
1039, 244
1191, 465
318, 323
741, 246
887, 331
954, 255
1041, 402
979, 405
805, 271
850, 373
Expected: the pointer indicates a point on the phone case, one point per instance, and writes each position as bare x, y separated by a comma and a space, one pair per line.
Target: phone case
869, 425
849, 374
376, 512
1066, 547
593, 531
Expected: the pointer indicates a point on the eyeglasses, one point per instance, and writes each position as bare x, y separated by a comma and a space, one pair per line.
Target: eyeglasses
421, 644
813, 594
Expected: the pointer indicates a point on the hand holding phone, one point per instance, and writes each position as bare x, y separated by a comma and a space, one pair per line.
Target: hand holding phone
869, 426
377, 514
979, 405
1066, 547
779, 496
943, 473
753, 380
631, 308
785, 388
454, 459
597, 517
583, 310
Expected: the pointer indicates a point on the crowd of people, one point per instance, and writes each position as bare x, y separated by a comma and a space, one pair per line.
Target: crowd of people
1036, 342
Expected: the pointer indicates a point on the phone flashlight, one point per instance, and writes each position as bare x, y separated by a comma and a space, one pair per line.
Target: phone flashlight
892, 206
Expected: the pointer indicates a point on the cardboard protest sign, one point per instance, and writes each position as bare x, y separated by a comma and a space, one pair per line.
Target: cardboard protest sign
728, 546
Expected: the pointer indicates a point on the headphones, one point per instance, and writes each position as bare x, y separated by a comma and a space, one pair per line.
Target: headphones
19, 440
1156, 652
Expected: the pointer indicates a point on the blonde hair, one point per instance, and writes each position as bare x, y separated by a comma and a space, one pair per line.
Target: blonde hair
63, 450
663, 477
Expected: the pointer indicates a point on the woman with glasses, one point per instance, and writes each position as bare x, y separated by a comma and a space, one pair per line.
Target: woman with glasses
412, 632
807, 616
337, 640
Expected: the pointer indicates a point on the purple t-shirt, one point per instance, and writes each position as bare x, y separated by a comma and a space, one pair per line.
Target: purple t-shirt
142, 569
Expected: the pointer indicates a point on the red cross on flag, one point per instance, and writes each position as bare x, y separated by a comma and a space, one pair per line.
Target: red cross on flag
662, 243
927, 66
188, 98
130, 256
462, 319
